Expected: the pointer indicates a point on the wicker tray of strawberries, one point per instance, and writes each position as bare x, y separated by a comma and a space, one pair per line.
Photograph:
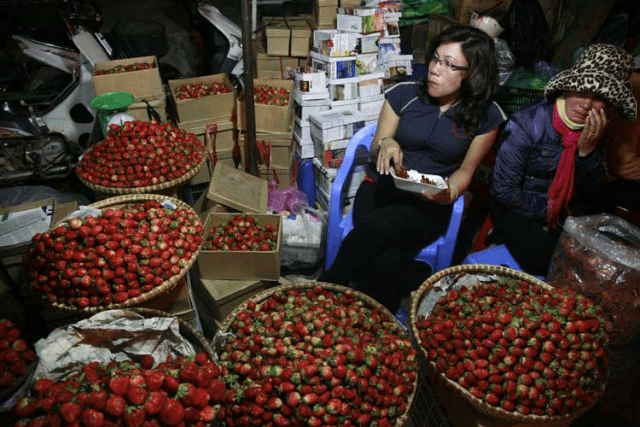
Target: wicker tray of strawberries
125, 251
514, 348
129, 367
141, 157
315, 354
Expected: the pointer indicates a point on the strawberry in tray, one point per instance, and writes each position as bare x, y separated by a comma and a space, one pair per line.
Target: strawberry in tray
16, 357
199, 90
517, 346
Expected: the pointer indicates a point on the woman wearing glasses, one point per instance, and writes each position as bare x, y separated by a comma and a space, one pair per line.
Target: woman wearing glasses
443, 125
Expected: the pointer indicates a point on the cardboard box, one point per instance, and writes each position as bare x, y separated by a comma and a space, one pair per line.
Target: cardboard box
218, 298
278, 174
325, 17
18, 224
300, 35
268, 118
276, 147
236, 264
142, 84
275, 67
278, 36
238, 190
225, 136
219, 106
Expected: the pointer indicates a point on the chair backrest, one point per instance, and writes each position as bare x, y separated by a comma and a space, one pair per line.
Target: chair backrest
336, 228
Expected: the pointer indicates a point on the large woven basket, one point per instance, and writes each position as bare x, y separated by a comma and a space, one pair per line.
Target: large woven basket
156, 293
447, 387
225, 327
168, 185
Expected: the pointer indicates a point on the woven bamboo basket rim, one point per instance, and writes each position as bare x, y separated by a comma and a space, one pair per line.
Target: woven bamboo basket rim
148, 189
481, 406
165, 288
264, 295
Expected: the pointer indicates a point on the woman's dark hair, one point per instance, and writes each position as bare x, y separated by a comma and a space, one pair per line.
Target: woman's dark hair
481, 81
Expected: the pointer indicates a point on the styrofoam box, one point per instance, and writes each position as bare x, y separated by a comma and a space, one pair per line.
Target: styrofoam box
370, 84
335, 43
324, 199
310, 82
304, 151
368, 43
302, 130
330, 153
309, 99
401, 65
366, 63
371, 105
303, 113
326, 176
345, 105
332, 125
361, 20
343, 91
335, 67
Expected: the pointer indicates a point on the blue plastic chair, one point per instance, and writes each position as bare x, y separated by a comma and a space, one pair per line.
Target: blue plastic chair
496, 255
438, 254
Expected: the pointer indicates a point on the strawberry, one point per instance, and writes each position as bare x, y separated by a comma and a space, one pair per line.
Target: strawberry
155, 402
147, 361
173, 413
136, 395
115, 406
70, 412
134, 416
92, 418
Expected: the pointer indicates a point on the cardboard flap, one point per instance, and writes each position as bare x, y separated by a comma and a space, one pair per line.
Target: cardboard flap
238, 190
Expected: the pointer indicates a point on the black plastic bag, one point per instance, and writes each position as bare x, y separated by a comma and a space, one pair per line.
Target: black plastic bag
525, 27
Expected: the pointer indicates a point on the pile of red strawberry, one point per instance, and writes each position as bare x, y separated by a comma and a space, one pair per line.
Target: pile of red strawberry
270, 95
140, 154
198, 90
518, 346
316, 357
120, 254
242, 233
181, 391
15, 354
136, 66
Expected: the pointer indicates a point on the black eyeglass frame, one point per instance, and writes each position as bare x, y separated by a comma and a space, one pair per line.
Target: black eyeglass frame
447, 63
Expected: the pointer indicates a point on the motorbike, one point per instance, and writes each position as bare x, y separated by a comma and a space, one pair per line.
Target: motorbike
46, 119
221, 44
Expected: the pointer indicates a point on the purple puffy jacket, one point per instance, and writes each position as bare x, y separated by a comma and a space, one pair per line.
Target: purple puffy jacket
528, 155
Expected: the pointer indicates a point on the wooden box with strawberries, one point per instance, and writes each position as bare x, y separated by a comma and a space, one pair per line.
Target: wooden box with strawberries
272, 104
241, 246
138, 76
205, 97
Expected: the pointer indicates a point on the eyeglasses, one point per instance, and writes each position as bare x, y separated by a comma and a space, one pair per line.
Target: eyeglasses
446, 63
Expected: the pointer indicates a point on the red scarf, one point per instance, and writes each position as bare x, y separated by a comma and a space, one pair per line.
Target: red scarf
561, 189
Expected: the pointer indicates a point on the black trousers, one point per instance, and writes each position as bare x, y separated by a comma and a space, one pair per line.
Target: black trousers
529, 243
390, 228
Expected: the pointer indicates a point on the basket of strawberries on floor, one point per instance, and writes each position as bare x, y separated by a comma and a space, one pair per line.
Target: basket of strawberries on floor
17, 358
141, 157
508, 348
125, 251
315, 354
132, 367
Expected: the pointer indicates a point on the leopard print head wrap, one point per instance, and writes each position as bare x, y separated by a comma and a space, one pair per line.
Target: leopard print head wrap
601, 69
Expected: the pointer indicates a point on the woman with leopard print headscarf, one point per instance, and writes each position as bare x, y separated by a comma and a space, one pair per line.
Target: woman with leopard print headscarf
548, 157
